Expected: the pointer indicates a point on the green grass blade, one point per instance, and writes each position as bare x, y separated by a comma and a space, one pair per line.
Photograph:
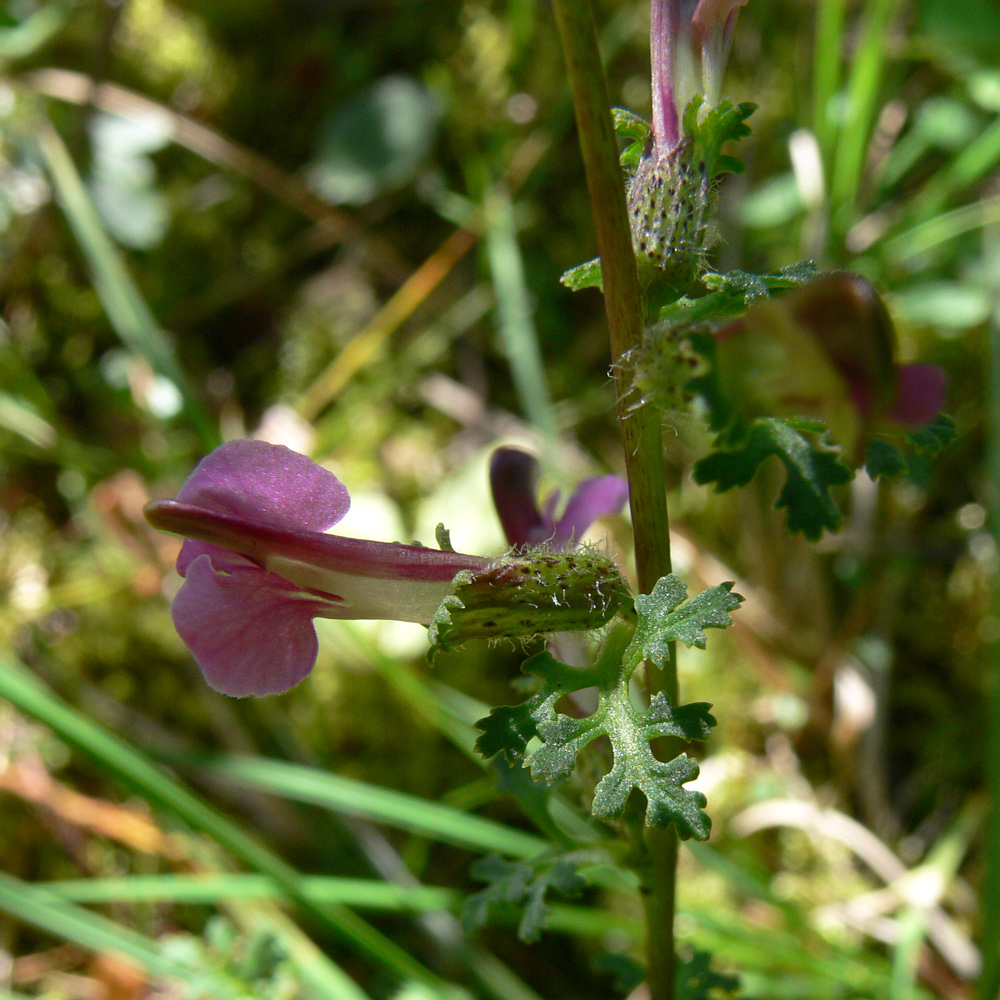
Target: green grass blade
19, 686
972, 164
213, 888
497, 978
99, 934
315, 969
381, 805
417, 693
51, 911
371, 894
585, 922
125, 307
926, 236
19, 417
27, 37
862, 93
786, 963
453, 714
911, 927
514, 315
827, 55
913, 921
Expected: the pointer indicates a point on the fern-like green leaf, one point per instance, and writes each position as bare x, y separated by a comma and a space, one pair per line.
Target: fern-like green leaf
664, 618
696, 980
661, 617
522, 885
812, 470
722, 124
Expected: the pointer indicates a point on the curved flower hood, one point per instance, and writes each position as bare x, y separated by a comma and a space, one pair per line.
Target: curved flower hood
259, 566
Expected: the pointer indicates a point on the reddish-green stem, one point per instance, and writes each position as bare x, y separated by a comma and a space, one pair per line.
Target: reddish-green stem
640, 426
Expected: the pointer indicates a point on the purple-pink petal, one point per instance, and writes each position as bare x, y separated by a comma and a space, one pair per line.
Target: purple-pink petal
714, 18
513, 476
379, 580
250, 631
267, 483
664, 31
919, 394
592, 499
258, 566
222, 559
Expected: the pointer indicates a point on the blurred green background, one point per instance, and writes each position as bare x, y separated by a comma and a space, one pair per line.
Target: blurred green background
340, 225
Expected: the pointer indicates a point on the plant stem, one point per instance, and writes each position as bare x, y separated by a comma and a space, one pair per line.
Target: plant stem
989, 892
640, 427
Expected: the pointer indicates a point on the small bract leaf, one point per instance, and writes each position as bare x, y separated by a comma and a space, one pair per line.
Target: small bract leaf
939, 433
908, 456
637, 132
584, 276
629, 125
884, 459
720, 125
664, 618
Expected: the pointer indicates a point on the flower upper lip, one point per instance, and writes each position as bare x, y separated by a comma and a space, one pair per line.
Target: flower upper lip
260, 541
705, 28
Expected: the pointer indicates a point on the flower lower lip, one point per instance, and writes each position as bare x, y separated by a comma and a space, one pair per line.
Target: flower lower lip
355, 556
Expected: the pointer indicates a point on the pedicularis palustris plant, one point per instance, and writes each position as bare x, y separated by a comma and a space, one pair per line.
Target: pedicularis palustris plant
796, 364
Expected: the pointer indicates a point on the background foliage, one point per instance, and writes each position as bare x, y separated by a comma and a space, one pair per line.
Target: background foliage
341, 226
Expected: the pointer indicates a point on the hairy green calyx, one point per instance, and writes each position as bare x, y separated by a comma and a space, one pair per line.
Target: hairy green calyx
530, 594
671, 196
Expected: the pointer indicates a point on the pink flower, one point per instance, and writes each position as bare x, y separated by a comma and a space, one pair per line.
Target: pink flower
259, 567
513, 476
684, 34
825, 349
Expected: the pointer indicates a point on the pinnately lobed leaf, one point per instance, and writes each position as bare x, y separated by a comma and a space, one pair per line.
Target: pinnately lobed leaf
628, 729
665, 618
812, 470
666, 800
660, 618
520, 884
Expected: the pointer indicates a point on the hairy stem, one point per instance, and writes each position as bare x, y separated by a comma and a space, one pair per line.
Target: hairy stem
640, 427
